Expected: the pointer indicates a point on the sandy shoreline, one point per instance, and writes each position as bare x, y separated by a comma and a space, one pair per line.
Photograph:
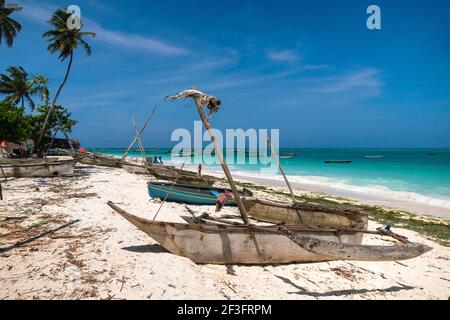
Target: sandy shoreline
102, 256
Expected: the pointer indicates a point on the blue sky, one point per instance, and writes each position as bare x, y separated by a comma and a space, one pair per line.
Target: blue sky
310, 68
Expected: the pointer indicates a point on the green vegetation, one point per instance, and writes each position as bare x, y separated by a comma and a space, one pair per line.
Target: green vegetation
14, 124
434, 228
60, 112
19, 89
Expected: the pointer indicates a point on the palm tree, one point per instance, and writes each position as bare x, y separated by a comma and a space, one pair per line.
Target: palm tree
64, 41
8, 27
17, 87
40, 88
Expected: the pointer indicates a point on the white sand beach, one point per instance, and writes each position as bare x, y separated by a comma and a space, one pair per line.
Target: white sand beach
102, 256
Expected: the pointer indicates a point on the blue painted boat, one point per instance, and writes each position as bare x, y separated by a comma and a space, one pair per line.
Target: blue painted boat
191, 194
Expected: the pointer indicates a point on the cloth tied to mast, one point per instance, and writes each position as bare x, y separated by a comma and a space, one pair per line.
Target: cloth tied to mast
222, 199
211, 102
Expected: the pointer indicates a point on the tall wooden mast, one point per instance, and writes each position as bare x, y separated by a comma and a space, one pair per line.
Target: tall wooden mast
219, 155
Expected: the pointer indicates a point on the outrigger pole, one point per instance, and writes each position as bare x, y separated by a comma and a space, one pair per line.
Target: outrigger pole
219, 155
282, 171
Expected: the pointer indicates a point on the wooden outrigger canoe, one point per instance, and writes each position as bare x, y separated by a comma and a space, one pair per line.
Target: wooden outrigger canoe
173, 174
91, 158
305, 213
224, 244
28, 168
135, 168
191, 194
101, 160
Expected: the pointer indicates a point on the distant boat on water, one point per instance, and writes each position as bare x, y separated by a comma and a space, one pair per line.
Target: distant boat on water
287, 155
373, 157
338, 161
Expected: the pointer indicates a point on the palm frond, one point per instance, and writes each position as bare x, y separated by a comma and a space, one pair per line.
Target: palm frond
63, 40
8, 27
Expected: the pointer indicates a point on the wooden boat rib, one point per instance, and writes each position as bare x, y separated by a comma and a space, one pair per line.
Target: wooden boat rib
27, 168
191, 194
222, 244
304, 213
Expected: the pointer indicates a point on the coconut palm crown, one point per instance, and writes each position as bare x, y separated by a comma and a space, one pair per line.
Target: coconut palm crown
17, 87
63, 40
8, 27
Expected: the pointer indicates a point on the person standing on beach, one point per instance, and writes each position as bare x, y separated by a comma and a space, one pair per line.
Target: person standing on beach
199, 169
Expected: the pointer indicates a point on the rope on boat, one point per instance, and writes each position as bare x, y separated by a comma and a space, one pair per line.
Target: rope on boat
174, 183
289, 231
167, 194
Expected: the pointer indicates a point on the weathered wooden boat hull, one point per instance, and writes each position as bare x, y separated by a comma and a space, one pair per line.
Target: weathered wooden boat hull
206, 243
167, 173
304, 213
134, 168
191, 194
77, 156
101, 160
28, 168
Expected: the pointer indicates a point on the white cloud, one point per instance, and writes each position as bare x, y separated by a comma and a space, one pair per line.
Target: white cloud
39, 14
367, 78
42, 13
289, 56
134, 41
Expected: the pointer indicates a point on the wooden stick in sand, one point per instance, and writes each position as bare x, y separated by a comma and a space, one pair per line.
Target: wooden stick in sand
141, 146
139, 134
6, 180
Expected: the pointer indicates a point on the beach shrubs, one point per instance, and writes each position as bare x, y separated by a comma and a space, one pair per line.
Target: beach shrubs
14, 123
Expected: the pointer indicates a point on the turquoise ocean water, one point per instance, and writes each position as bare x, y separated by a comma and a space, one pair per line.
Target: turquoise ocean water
414, 174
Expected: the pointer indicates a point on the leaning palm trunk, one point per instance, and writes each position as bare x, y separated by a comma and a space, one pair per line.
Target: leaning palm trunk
52, 106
